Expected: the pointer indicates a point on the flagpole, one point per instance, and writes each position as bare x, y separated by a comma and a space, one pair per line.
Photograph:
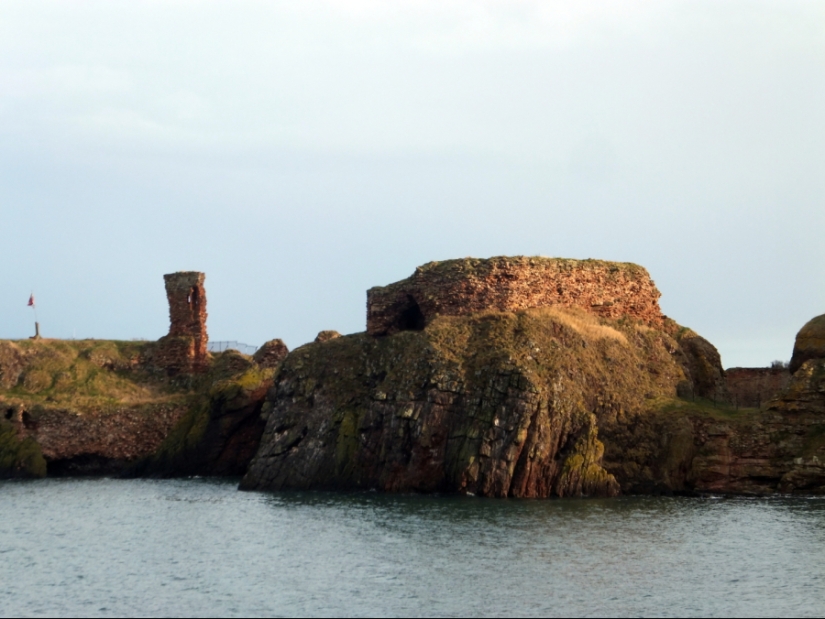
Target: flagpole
33, 303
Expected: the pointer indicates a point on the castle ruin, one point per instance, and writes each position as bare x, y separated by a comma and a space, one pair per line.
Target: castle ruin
505, 284
184, 350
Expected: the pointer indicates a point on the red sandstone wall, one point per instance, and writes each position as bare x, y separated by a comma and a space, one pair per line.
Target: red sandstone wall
753, 387
460, 287
184, 350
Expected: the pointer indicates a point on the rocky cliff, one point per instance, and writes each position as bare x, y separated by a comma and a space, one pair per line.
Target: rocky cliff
102, 407
520, 392
484, 377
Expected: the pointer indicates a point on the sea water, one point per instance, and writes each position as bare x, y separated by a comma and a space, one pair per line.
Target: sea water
196, 547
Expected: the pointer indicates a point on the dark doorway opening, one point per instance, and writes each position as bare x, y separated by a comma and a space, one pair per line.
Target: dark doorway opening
411, 318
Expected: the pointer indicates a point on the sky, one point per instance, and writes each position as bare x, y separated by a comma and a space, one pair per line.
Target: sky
302, 152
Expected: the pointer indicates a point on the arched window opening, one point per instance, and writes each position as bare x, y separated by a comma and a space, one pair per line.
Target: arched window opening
411, 317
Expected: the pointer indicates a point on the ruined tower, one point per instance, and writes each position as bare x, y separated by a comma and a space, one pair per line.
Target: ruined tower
184, 350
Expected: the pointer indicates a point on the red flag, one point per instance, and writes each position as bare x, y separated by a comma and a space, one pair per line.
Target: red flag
31, 301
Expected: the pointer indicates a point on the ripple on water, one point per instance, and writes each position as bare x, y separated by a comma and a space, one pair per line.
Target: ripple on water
198, 547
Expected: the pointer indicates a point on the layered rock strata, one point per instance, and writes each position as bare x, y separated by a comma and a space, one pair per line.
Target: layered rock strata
494, 404
505, 284
779, 449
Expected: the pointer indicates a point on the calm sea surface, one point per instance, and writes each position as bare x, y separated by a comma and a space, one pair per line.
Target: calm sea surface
201, 548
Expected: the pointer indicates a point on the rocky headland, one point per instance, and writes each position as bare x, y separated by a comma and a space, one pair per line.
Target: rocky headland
508, 377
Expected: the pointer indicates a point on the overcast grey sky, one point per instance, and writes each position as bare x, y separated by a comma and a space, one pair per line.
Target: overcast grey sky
301, 152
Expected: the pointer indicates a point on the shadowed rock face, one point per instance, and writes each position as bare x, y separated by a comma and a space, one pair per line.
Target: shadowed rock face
703, 367
463, 287
810, 343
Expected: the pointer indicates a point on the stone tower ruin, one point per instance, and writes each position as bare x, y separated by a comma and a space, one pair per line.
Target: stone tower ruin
184, 350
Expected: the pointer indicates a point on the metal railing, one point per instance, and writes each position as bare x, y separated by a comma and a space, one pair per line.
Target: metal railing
231, 345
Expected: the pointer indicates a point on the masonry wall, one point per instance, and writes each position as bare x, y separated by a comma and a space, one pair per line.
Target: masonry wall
753, 387
184, 350
460, 287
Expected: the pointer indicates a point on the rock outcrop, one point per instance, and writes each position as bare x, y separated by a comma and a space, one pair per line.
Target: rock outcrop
496, 383
326, 336
464, 287
810, 343
490, 383
702, 365
104, 407
779, 449
271, 354
493, 403
220, 432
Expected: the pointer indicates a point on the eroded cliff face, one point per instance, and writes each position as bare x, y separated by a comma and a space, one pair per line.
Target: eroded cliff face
220, 431
690, 447
494, 404
536, 403
100, 407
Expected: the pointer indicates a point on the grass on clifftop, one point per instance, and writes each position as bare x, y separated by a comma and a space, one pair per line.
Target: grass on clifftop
701, 407
80, 375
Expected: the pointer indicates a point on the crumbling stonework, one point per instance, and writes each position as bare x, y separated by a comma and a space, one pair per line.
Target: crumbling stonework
508, 284
184, 350
753, 387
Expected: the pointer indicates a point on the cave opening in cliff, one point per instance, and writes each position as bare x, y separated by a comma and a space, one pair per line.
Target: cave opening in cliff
411, 317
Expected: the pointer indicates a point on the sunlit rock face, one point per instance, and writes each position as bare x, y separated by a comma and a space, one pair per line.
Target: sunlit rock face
810, 343
508, 284
493, 377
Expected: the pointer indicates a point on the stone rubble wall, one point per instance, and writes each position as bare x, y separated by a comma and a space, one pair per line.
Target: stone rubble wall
461, 287
753, 387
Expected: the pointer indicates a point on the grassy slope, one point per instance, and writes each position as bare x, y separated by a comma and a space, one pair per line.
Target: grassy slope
82, 376
99, 377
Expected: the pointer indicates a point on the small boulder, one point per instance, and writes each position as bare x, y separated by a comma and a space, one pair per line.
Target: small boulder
271, 354
810, 343
326, 336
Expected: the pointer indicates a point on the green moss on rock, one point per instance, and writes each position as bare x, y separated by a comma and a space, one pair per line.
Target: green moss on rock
810, 343
19, 457
493, 403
